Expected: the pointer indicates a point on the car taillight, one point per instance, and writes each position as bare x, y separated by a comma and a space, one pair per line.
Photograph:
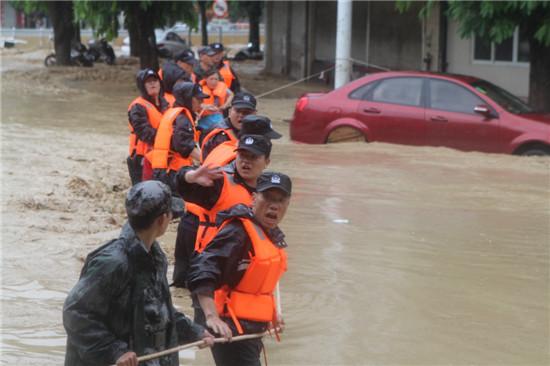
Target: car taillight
301, 104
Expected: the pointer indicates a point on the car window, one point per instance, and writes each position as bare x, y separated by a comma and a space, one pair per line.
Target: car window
407, 91
363, 92
451, 97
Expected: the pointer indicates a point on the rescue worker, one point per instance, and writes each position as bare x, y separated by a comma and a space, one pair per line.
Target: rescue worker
144, 115
224, 67
177, 138
214, 107
171, 74
186, 61
224, 153
242, 105
205, 62
210, 190
121, 304
235, 277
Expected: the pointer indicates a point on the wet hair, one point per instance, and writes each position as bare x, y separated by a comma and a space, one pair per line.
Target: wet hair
139, 223
211, 72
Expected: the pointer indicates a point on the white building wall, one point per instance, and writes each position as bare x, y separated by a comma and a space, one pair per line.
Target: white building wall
514, 78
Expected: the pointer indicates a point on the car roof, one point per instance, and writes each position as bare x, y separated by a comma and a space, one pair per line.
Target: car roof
458, 77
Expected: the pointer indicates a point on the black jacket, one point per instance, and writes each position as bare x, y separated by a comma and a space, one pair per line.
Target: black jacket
206, 197
171, 73
122, 303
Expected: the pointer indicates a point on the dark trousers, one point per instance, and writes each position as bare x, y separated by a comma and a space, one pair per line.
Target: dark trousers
240, 353
185, 246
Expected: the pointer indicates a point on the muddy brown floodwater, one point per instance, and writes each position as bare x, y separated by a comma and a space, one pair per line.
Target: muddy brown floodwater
398, 255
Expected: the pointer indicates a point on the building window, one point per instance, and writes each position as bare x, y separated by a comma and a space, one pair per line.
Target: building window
511, 50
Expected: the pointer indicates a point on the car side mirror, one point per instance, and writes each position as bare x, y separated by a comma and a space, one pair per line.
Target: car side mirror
484, 110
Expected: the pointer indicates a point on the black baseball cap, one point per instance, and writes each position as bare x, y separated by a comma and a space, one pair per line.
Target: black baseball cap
207, 50
258, 125
270, 180
152, 198
186, 56
217, 47
198, 92
256, 144
243, 100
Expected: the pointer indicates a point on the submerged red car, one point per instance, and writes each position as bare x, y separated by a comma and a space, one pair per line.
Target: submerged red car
422, 108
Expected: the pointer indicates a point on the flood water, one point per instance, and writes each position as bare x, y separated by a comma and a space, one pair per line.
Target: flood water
397, 255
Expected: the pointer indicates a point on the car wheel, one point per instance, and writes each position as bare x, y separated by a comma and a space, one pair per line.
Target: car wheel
536, 151
345, 134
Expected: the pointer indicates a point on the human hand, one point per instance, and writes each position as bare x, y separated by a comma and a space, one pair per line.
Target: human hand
219, 326
278, 324
204, 175
127, 359
208, 338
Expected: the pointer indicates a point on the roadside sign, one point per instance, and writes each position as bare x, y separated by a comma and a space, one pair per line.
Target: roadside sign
220, 8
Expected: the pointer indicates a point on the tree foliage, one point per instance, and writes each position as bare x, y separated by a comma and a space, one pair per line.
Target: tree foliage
103, 15
496, 20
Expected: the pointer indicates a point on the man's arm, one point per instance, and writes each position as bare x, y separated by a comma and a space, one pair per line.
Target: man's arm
88, 304
201, 186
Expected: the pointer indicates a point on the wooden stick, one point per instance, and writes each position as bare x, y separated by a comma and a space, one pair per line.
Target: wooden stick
198, 344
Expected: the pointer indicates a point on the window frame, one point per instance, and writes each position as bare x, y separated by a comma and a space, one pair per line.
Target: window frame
367, 97
492, 61
429, 94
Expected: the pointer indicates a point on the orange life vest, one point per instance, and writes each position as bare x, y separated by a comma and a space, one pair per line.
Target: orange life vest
153, 116
232, 193
227, 75
221, 155
162, 157
224, 153
219, 91
170, 98
252, 298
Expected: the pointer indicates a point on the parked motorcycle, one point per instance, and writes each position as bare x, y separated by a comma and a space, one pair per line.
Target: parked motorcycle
101, 51
80, 56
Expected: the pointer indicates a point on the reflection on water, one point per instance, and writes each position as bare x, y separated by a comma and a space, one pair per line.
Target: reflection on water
398, 255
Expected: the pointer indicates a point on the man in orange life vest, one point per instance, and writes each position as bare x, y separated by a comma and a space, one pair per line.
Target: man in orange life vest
218, 150
144, 115
211, 190
235, 277
176, 141
224, 67
242, 105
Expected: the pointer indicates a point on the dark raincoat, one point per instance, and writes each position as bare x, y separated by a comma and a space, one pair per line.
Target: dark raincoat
122, 303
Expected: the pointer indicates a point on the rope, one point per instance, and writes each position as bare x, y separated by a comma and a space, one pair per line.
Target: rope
198, 344
293, 83
359, 62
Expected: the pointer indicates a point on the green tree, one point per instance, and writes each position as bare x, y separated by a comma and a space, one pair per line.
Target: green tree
203, 5
498, 21
254, 12
142, 17
65, 30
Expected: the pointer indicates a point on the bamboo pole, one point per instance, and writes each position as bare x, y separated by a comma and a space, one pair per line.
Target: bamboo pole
198, 344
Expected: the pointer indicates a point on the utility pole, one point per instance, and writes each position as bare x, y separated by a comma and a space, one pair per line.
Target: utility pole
343, 43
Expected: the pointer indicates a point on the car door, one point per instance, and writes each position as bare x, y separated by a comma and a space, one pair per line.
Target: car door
393, 110
453, 122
